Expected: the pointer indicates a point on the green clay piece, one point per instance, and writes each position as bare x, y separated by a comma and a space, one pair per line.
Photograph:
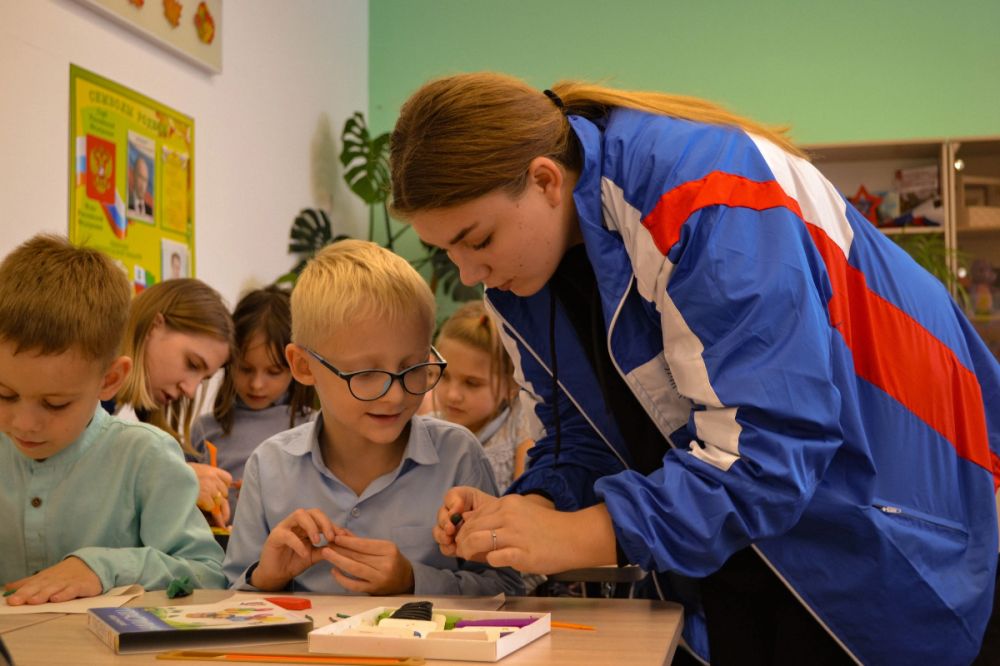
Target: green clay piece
7, 593
179, 587
456, 518
450, 620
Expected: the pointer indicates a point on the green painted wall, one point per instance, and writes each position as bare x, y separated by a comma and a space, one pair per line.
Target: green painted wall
842, 70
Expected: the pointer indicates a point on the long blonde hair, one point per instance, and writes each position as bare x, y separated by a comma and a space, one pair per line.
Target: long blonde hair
463, 136
187, 306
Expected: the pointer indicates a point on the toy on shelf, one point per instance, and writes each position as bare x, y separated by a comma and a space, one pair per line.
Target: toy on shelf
867, 204
983, 278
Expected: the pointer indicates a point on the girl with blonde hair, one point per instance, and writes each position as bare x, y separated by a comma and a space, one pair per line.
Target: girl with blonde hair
179, 334
478, 391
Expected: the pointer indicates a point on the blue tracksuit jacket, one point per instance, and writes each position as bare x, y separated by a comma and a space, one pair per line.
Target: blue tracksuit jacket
827, 400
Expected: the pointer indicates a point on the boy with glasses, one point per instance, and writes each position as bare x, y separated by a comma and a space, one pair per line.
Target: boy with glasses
346, 504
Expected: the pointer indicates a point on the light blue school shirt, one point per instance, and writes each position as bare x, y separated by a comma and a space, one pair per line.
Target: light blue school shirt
120, 498
287, 472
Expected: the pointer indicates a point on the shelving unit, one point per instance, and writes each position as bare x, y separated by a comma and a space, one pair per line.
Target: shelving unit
969, 184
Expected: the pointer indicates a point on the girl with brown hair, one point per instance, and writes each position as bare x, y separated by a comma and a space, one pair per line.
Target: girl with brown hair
743, 382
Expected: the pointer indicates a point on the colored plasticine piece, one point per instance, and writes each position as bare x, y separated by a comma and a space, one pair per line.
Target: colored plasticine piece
290, 603
180, 587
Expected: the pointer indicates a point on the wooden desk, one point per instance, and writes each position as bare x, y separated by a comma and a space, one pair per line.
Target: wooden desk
629, 632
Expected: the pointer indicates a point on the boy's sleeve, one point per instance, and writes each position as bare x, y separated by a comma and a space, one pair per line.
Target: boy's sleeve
250, 530
471, 578
177, 541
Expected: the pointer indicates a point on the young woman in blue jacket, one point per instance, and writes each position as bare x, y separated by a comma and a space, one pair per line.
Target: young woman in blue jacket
745, 386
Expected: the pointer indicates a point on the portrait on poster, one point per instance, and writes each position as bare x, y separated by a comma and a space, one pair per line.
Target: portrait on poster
141, 176
174, 260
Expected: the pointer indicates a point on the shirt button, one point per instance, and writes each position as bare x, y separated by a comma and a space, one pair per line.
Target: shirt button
355, 512
36, 502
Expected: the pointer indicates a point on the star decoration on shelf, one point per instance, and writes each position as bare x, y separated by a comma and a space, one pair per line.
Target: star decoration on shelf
867, 204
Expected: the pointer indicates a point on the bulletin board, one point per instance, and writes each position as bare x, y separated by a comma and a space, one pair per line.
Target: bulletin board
131, 179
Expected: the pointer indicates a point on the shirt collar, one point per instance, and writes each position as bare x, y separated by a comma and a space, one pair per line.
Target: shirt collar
419, 447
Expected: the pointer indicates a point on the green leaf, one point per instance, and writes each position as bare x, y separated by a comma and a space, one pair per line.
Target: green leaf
366, 160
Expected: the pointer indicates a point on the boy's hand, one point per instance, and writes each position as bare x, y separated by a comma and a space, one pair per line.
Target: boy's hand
457, 501
372, 566
70, 579
291, 548
213, 492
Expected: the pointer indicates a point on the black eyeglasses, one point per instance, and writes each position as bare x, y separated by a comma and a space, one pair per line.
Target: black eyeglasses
370, 385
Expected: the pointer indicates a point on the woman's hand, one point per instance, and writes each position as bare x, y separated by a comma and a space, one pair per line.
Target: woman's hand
213, 492
70, 579
528, 534
292, 547
457, 501
371, 566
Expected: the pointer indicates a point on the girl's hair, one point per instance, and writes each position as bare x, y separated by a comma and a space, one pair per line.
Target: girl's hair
464, 136
187, 306
471, 325
268, 312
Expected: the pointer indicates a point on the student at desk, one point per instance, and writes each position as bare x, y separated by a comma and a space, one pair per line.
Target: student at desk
258, 396
179, 334
89, 501
346, 504
742, 380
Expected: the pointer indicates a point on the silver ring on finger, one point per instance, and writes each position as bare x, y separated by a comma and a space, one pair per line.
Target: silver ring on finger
493, 533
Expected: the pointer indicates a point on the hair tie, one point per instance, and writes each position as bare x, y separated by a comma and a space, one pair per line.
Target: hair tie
484, 320
555, 99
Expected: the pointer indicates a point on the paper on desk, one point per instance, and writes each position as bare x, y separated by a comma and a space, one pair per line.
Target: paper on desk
116, 596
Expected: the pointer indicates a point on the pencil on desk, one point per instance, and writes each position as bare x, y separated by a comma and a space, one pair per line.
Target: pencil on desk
570, 625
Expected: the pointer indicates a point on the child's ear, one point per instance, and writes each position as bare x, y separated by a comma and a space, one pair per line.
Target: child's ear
298, 363
115, 376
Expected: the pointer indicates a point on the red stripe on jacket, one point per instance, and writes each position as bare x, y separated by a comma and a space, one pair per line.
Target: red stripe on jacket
890, 349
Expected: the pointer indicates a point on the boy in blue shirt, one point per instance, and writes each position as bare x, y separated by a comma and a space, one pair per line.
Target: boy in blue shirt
89, 501
346, 504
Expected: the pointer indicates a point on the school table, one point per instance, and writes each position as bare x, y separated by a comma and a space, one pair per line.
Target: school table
633, 632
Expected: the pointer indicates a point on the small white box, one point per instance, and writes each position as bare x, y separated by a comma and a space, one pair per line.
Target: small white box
331, 639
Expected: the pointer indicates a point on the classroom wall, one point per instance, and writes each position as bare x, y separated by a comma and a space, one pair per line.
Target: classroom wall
288, 68
837, 71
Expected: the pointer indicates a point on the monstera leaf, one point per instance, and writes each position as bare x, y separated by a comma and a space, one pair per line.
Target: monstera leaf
311, 231
365, 160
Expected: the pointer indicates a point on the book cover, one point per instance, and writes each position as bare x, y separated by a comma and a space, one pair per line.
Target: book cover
228, 622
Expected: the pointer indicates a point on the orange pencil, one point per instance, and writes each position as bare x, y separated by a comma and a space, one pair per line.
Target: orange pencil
213, 460
570, 625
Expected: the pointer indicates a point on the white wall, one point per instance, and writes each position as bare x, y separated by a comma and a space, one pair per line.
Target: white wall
287, 66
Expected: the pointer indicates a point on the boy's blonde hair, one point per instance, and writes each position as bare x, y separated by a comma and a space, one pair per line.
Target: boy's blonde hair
55, 296
187, 306
349, 280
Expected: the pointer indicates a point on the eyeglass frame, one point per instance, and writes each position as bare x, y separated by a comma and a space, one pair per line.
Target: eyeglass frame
393, 376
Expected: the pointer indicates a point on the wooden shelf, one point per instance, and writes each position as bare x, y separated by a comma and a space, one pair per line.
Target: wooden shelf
905, 231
